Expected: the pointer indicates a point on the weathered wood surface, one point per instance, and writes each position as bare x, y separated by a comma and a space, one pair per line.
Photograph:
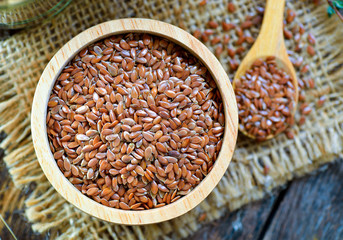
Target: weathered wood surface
309, 208
312, 208
15, 219
246, 223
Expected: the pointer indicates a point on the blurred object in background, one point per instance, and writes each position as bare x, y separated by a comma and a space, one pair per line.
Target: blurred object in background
335, 6
16, 14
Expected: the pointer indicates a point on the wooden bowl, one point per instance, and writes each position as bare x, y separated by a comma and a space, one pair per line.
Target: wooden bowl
39, 130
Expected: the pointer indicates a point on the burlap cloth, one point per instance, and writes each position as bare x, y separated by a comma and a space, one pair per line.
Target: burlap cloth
24, 56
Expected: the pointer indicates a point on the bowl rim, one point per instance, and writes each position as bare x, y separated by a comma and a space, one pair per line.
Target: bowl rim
39, 111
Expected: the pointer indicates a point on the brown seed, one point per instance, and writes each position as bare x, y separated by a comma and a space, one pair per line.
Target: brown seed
148, 153
227, 26
136, 205
231, 52
197, 33
266, 169
290, 15
208, 32
246, 24
321, 101
290, 134
287, 34
124, 206
92, 191
52, 103
226, 39
270, 115
310, 50
306, 110
170, 93
305, 68
202, 217
249, 39
212, 24
90, 173
66, 164
233, 64
301, 29
311, 40
231, 7
177, 68
93, 162
82, 137
128, 110
82, 109
154, 187
310, 83
64, 76
215, 40
158, 135
160, 147
148, 136
58, 155
219, 50
302, 120
202, 2
169, 168
240, 40
164, 138
204, 37
79, 118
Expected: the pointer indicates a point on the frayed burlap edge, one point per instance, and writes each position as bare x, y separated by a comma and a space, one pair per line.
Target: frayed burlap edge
317, 142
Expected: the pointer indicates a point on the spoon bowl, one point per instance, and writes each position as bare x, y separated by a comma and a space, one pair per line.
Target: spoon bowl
270, 42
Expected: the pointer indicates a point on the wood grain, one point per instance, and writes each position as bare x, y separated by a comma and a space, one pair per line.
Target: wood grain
13, 214
48, 163
270, 42
244, 224
311, 208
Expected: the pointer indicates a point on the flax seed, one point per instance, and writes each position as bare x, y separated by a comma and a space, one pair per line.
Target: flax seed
310, 50
261, 116
311, 40
212, 24
290, 15
120, 127
231, 7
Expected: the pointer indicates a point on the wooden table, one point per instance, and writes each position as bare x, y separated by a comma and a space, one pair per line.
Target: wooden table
307, 208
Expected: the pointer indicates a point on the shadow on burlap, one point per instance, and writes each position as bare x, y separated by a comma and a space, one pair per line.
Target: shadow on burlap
319, 140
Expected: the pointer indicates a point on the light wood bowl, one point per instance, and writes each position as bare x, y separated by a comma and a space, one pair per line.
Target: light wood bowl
39, 112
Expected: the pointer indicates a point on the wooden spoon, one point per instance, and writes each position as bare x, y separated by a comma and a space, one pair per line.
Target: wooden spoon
270, 42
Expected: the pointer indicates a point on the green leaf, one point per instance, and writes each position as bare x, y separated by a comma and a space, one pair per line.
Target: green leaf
338, 4
330, 11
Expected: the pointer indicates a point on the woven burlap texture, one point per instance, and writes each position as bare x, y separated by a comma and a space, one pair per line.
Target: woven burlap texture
319, 140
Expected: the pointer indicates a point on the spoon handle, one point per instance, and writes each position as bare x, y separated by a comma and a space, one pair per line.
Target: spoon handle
271, 34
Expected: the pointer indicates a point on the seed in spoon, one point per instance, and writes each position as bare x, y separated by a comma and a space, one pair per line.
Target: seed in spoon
265, 96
